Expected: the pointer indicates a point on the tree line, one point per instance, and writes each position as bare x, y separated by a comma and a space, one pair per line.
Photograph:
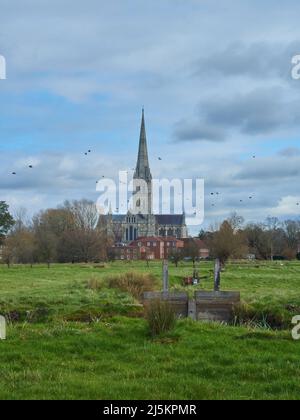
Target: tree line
71, 233
67, 234
270, 240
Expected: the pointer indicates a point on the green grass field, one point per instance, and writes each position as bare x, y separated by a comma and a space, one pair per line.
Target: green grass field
68, 341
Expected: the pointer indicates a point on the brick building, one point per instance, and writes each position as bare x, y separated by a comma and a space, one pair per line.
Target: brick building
148, 248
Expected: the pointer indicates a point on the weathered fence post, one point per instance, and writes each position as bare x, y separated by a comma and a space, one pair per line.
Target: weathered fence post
165, 276
192, 310
2, 328
217, 275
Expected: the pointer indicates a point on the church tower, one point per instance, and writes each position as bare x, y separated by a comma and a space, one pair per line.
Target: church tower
142, 180
140, 222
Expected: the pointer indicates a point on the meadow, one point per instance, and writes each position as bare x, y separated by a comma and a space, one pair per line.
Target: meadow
68, 340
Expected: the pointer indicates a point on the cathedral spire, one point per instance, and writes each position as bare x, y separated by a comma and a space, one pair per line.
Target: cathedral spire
143, 168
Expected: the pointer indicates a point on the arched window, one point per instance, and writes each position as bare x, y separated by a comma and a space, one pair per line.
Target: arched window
131, 233
162, 232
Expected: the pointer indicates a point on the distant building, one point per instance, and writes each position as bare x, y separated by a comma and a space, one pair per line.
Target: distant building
157, 248
142, 222
126, 252
148, 248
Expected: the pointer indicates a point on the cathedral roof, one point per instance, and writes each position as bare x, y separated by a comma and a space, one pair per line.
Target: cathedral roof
118, 217
170, 219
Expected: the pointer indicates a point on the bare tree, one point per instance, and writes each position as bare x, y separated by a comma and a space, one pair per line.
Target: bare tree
176, 256
45, 239
191, 251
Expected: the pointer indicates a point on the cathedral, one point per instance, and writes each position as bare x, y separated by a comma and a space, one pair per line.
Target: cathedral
142, 222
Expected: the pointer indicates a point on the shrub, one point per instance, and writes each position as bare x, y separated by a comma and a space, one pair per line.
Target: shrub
257, 316
160, 316
298, 256
95, 284
134, 283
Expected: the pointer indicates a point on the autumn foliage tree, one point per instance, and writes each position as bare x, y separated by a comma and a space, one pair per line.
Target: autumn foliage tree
227, 243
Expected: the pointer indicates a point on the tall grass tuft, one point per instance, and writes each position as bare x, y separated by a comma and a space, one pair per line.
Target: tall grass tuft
95, 283
255, 317
160, 316
133, 282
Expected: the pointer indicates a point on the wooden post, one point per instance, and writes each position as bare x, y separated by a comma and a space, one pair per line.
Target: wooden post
166, 276
192, 311
2, 328
217, 275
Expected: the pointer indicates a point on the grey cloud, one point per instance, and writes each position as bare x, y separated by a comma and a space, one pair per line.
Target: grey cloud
196, 132
259, 60
53, 173
271, 169
290, 152
259, 112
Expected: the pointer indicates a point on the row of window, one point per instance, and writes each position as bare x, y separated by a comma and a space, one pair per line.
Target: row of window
154, 244
131, 219
170, 232
132, 232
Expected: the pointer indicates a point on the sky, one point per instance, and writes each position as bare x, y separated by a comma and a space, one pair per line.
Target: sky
214, 78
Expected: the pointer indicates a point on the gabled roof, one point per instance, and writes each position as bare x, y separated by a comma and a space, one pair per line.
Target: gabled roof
118, 217
197, 241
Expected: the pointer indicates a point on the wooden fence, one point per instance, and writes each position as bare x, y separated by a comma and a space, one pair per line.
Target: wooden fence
179, 301
215, 306
206, 306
